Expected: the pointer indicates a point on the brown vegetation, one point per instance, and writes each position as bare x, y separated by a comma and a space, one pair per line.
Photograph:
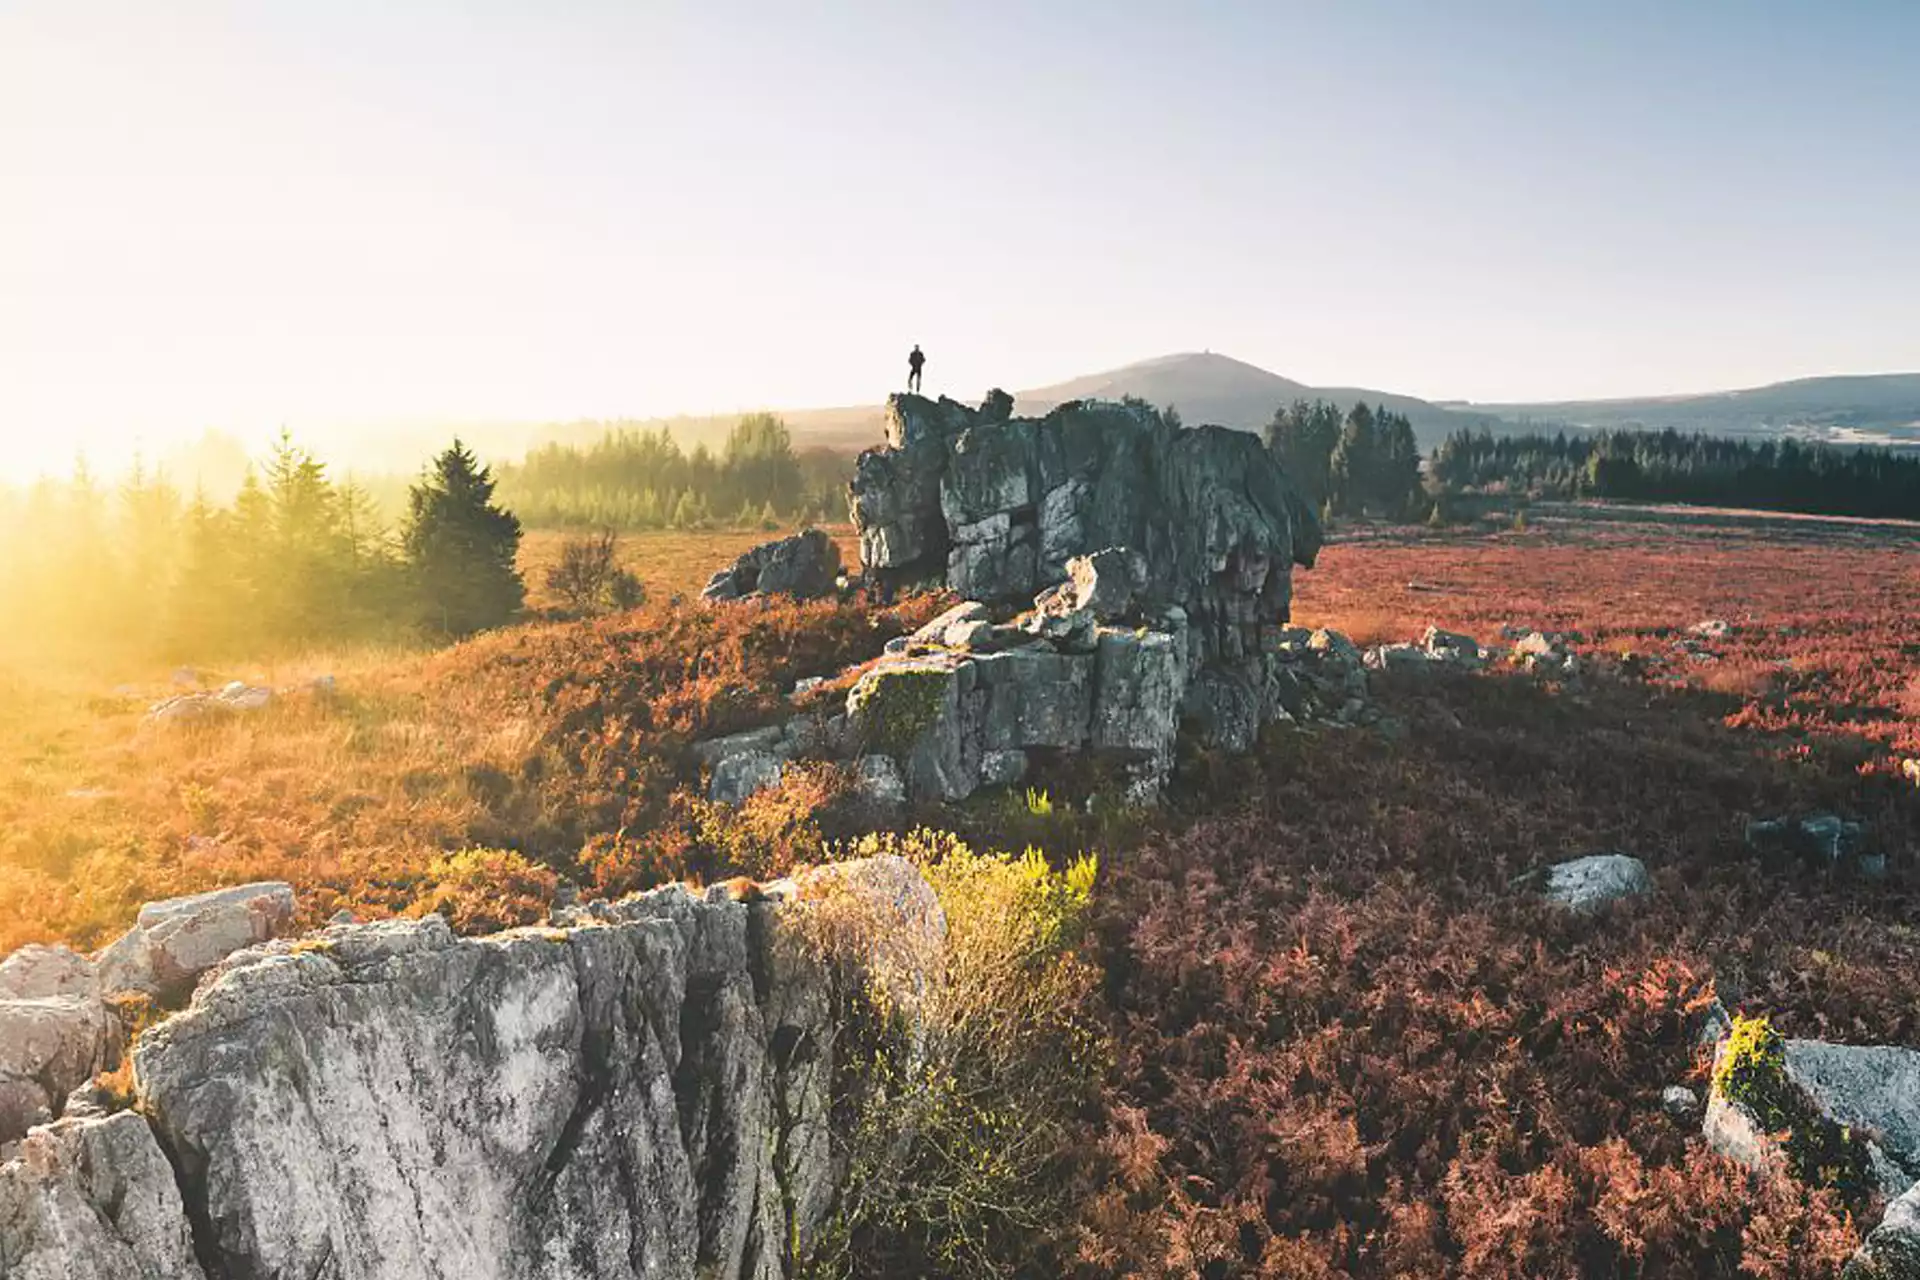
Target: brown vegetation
1345, 1042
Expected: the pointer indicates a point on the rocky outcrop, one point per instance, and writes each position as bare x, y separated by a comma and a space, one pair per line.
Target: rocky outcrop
805, 566
650, 1091
996, 507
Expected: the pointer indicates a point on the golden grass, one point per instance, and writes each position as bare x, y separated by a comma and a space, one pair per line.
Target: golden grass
667, 561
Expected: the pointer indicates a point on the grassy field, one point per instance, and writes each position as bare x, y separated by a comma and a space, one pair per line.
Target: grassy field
666, 562
1343, 1043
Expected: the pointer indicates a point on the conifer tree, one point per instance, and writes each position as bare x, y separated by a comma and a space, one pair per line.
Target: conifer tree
460, 547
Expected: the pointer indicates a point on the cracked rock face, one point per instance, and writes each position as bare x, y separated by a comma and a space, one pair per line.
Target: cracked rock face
647, 1094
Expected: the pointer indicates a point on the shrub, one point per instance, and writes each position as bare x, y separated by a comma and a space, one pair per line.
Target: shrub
486, 890
588, 578
961, 1155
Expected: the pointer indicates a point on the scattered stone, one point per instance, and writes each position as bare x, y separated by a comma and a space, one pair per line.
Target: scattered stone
1592, 882
1824, 839
804, 566
807, 684
1399, 659
175, 941
234, 697
1451, 647
1680, 1103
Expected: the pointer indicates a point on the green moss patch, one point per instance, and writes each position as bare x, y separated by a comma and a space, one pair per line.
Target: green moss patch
894, 706
1820, 1153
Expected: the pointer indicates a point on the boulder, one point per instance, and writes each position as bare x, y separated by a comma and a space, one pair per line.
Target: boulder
913, 709
35, 971
50, 1046
175, 941
805, 566
999, 507
94, 1199
961, 615
653, 1095
1592, 882
236, 696
1815, 1109
1711, 629
1679, 1102
1139, 683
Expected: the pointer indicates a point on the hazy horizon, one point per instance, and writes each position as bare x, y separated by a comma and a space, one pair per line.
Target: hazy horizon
344, 219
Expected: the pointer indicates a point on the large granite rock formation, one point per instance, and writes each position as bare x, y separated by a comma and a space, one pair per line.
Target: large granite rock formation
647, 1092
995, 507
1158, 561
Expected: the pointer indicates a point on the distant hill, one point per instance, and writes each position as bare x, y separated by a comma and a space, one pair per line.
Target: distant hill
1879, 408
1210, 388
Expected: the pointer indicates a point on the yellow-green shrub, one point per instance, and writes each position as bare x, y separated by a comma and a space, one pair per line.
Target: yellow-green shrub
960, 1156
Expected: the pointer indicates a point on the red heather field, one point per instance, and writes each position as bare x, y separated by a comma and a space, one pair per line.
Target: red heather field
1349, 1045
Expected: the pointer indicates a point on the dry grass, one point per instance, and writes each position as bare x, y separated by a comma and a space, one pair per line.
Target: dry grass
667, 562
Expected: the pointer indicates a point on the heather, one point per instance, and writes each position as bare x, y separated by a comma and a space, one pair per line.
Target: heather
1327, 1028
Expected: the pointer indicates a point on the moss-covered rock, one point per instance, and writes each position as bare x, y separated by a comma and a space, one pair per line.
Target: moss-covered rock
1751, 1074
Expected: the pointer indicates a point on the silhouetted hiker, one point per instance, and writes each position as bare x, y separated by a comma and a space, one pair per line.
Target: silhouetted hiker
915, 363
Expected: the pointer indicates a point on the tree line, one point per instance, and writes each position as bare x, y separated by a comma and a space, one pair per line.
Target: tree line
296, 559
643, 479
1667, 466
1363, 462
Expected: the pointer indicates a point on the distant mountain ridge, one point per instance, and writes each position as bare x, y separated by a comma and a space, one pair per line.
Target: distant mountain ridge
1210, 388
1874, 408
1207, 387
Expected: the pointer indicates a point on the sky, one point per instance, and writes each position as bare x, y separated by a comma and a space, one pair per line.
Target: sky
352, 216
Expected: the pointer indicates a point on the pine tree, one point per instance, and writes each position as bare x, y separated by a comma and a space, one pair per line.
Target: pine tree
1354, 467
460, 547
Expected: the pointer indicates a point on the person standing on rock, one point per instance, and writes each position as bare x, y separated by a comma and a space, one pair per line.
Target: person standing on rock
916, 361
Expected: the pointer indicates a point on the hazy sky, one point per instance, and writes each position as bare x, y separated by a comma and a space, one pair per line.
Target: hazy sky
351, 212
